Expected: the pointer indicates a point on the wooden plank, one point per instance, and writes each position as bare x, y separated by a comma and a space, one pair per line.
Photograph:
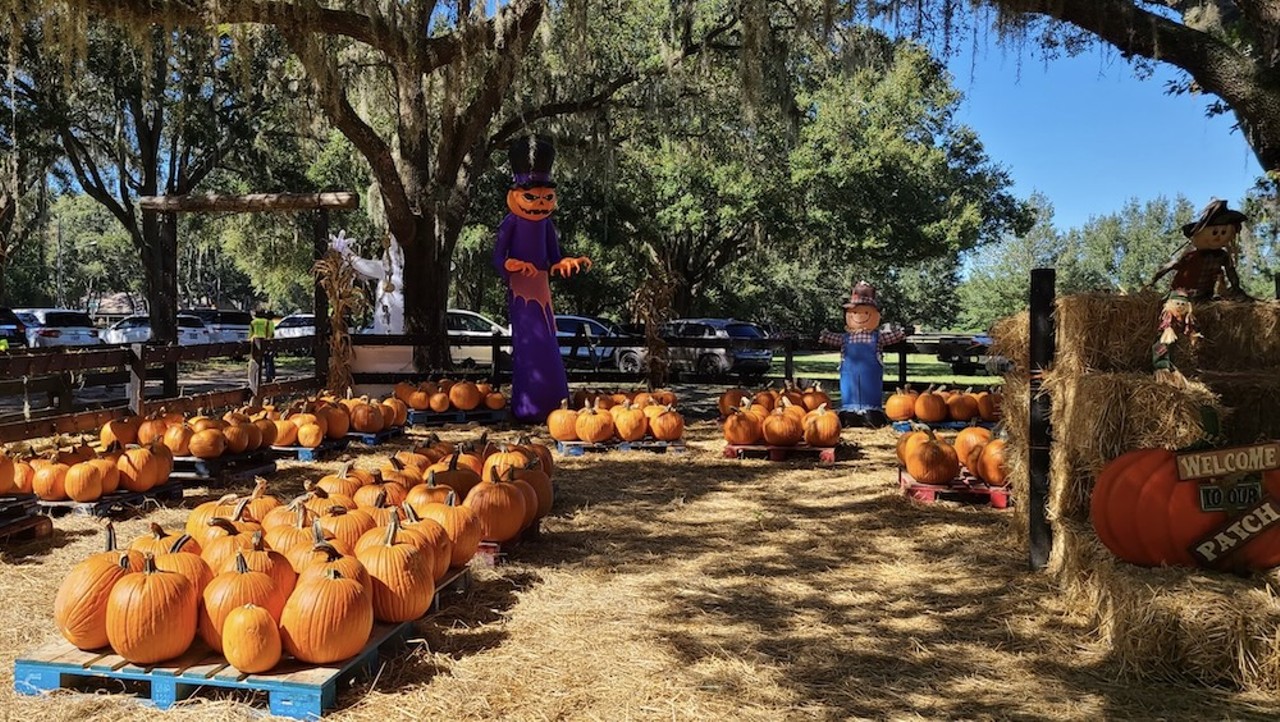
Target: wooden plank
211, 400
30, 364
286, 388
251, 203
61, 424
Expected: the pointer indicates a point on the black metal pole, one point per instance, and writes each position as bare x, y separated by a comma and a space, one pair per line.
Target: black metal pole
1040, 433
1277, 279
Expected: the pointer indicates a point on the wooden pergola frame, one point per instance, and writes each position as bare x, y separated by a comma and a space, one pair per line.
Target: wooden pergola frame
320, 203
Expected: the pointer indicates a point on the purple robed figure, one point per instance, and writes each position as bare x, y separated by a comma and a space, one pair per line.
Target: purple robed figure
526, 255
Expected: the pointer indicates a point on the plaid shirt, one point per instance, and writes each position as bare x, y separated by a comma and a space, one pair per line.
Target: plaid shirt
1199, 272
887, 337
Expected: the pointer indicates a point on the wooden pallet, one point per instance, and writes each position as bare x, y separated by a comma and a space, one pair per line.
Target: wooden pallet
302, 453
17, 506
478, 416
224, 469
580, 448
965, 488
825, 454
378, 438
24, 528
293, 689
905, 426
116, 503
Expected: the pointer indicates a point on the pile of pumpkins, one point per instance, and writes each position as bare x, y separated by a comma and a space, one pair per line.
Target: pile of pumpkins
255, 578
933, 406
787, 417
604, 420
609, 399
84, 474
932, 460
445, 394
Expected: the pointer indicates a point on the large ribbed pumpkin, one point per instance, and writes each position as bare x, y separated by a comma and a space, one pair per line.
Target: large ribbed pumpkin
562, 423
401, 574
234, 588
460, 523
822, 427
50, 481
207, 444
178, 439
989, 465
741, 427
120, 431
930, 407
179, 559
900, 406
268, 561
83, 482
932, 461
967, 439
730, 400
962, 406
157, 541
80, 606
667, 425
593, 425
781, 428
327, 619
151, 615
465, 396
500, 508
1146, 516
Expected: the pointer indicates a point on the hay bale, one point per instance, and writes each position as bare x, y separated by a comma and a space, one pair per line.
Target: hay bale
1253, 398
1172, 624
1110, 332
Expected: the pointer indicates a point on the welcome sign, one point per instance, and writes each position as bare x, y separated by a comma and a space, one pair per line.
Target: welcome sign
1252, 511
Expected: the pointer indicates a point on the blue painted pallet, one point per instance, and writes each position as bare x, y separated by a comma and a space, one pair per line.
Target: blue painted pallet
580, 448
378, 438
479, 416
294, 689
905, 426
117, 502
302, 453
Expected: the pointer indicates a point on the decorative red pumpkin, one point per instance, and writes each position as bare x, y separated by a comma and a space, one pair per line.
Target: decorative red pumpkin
1146, 516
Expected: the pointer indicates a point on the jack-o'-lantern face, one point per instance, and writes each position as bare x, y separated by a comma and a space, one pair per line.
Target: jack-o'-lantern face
862, 317
532, 204
1213, 238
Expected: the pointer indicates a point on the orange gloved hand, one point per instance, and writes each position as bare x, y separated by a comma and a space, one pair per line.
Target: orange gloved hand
570, 266
524, 268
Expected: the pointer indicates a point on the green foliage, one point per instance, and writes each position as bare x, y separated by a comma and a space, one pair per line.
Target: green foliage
88, 255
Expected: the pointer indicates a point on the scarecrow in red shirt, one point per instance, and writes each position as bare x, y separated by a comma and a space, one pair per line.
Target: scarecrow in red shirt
1200, 272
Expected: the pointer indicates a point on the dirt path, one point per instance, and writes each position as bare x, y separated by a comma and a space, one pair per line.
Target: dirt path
695, 587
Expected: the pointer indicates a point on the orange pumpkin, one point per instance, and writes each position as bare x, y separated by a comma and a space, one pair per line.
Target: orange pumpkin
932, 461
742, 428
967, 439
562, 423
931, 407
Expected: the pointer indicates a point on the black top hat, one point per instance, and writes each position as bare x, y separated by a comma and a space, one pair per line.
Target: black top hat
531, 159
1214, 214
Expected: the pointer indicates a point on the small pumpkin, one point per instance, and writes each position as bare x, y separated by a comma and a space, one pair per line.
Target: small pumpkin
562, 423
932, 461
500, 507
822, 427
594, 426
667, 425
781, 428
251, 639
742, 428
157, 541
900, 406
931, 407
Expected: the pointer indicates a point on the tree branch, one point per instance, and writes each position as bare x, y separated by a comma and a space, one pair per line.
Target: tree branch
333, 98
296, 16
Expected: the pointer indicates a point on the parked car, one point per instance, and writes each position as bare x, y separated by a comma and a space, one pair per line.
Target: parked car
714, 361
578, 336
471, 325
47, 327
225, 326
12, 329
137, 329
296, 325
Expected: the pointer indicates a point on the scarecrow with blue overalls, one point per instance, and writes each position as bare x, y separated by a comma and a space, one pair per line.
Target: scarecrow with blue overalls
861, 364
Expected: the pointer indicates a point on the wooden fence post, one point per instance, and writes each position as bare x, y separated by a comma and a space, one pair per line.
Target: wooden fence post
138, 378
320, 302
1040, 432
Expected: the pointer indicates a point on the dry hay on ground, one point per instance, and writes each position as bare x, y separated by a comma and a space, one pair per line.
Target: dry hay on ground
695, 587
1155, 623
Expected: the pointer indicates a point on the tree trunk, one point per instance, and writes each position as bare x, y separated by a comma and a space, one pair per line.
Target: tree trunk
426, 298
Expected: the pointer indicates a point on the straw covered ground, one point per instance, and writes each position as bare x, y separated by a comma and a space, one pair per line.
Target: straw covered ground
695, 587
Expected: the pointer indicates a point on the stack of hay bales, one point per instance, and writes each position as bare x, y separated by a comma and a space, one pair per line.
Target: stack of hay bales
1170, 622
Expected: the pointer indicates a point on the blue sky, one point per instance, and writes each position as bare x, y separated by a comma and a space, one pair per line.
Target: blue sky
1089, 134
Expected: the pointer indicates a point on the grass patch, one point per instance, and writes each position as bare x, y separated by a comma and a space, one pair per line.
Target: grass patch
921, 368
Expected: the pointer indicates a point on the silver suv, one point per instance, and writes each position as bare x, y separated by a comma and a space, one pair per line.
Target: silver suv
714, 361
